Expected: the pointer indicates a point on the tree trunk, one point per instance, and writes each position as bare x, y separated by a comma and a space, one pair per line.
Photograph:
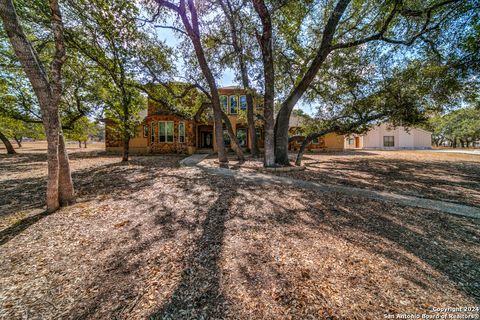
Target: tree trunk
18, 141
126, 133
305, 142
266, 45
194, 35
238, 48
126, 148
281, 137
283, 118
48, 94
462, 143
252, 132
85, 144
51, 123
233, 139
53, 201
80, 144
8, 145
65, 184
301, 151
250, 107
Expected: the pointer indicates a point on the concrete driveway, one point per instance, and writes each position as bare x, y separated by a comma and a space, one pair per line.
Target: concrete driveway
466, 151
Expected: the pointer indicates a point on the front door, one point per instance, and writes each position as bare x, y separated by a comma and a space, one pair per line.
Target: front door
357, 142
207, 140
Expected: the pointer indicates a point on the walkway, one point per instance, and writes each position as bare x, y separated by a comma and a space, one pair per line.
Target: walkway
193, 160
411, 201
464, 151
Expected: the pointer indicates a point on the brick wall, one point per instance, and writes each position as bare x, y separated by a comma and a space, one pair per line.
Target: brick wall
171, 147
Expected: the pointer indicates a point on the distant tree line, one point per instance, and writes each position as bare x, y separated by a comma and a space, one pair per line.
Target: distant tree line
459, 128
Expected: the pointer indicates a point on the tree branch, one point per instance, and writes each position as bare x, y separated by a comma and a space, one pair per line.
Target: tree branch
405, 12
171, 28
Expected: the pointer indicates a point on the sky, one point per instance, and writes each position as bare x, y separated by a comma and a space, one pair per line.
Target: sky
227, 78
172, 40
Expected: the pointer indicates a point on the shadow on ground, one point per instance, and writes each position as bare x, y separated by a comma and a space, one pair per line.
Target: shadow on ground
26, 196
180, 244
197, 292
444, 180
20, 226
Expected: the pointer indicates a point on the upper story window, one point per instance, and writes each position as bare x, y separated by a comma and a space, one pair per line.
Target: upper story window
181, 132
152, 132
243, 103
388, 141
233, 104
224, 103
165, 131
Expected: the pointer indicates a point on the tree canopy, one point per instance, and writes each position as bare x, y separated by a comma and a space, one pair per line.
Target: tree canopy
352, 63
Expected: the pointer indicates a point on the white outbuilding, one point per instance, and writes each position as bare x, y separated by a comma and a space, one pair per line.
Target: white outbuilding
387, 137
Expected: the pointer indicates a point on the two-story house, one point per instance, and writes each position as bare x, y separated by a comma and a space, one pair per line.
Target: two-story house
167, 131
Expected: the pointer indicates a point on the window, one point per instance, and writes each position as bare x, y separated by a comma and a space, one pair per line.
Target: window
388, 141
181, 132
243, 103
316, 140
351, 141
233, 104
226, 137
242, 137
152, 133
165, 131
224, 103
145, 131
161, 131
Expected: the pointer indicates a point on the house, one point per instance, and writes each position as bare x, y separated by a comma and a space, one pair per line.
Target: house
169, 131
386, 137
330, 141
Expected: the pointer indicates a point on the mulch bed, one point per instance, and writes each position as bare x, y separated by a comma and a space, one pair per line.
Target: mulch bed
151, 239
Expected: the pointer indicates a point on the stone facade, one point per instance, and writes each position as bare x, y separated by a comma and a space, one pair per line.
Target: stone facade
154, 145
197, 133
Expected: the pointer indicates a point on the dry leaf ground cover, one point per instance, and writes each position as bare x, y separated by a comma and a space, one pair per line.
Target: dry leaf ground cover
151, 239
449, 177
443, 176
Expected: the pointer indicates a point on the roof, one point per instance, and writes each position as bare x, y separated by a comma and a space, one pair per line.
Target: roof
231, 88
405, 127
167, 112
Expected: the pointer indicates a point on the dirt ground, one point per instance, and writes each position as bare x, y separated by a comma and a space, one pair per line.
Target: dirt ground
442, 176
451, 177
150, 239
